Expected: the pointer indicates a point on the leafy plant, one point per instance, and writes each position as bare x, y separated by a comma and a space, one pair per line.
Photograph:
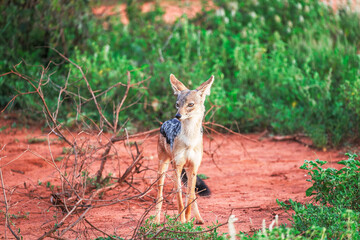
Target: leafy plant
335, 213
315, 221
340, 188
67, 150
3, 128
92, 181
36, 140
50, 186
203, 176
20, 215
173, 229
59, 159
109, 238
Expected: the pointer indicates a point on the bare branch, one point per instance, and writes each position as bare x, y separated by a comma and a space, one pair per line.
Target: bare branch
76, 222
122, 102
99, 229
88, 86
230, 131
58, 225
6, 208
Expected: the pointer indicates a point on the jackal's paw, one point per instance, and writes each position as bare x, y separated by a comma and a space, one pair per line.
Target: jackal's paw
199, 221
156, 220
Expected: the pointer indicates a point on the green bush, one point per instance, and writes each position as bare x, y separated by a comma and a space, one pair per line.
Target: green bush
312, 220
338, 188
173, 229
29, 27
336, 214
28, 30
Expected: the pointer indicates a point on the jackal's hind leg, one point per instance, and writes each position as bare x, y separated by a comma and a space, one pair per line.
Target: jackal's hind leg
163, 167
199, 219
177, 180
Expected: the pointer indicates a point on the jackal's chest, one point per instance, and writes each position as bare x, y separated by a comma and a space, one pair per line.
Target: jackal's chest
182, 143
176, 135
191, 141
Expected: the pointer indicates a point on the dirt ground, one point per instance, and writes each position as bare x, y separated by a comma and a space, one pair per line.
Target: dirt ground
173, 9
245, 177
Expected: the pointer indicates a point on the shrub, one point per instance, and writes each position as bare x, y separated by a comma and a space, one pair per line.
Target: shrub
173, 229
340, 188
319, 220
336, 192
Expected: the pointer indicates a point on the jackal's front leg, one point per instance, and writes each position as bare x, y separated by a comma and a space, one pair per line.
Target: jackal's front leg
191, 202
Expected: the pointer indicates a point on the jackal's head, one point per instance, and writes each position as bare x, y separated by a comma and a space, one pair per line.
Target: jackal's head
190, 103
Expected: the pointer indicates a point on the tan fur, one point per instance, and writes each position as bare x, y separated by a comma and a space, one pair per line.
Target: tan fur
187, 150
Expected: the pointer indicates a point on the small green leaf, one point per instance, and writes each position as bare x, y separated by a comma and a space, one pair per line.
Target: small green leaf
309, 191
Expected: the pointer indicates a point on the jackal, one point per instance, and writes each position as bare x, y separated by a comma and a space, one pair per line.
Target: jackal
181, 143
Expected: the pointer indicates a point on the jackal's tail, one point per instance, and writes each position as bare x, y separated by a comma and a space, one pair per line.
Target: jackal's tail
201, 188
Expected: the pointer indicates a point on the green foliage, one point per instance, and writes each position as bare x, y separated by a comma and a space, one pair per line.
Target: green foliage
336, 192
3, 128
59, 159
174, 229
340, 188
50, 186
109, 238
92, 181
334, 222
28, 27
286, 66
67, 150
36, 140
23, 215
202, 176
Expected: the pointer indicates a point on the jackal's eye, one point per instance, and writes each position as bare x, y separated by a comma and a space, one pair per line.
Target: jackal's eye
190, 105
177, 105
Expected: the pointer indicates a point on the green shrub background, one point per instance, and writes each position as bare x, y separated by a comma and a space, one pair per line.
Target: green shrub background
285, 66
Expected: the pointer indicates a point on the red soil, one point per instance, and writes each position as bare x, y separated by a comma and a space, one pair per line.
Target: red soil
173, 9
245, 178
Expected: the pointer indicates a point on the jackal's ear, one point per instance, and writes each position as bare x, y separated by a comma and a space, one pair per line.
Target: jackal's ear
177, 85
204, 88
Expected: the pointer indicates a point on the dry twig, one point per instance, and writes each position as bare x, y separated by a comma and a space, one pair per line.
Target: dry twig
7, 220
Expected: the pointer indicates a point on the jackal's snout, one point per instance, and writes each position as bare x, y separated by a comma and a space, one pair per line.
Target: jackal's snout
178, 115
